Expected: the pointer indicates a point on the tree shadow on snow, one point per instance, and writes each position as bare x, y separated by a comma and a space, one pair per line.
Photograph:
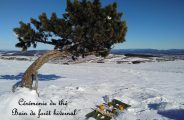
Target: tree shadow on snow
176, 114
157, 106
41, 77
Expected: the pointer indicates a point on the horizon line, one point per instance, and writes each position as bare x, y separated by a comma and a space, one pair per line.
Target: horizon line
111, 49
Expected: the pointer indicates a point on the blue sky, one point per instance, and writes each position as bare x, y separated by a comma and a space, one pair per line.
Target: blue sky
155, 24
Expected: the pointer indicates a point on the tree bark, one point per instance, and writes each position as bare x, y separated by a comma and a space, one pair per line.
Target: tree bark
27, 77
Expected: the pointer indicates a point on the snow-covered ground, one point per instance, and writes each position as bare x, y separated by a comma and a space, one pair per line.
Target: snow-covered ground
155, 90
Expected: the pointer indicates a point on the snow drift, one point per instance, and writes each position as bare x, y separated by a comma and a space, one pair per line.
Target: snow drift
154, 90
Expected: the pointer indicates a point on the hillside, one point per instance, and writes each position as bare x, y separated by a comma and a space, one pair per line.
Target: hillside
155, 89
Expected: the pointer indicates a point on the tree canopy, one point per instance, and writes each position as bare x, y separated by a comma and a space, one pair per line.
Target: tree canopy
85, 27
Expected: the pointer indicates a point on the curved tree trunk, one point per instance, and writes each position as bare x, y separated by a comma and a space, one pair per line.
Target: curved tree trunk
32, 69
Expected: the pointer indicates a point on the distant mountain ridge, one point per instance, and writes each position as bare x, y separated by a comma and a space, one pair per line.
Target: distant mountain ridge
21, 53
153, 52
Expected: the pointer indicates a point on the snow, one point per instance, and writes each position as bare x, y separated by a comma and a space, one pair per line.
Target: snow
109, 18
154, 90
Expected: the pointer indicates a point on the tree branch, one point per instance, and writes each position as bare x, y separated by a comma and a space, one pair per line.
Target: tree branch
45, 42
